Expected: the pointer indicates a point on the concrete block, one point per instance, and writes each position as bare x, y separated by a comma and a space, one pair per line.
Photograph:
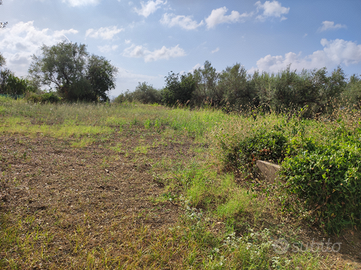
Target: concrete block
269, 170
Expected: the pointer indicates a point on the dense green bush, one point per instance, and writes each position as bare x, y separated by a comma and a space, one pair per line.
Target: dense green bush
270, 145
328, 182
43, 98
143, 93
179, 89
146, 94
321, 173
233, 89
327, 179
14, 86
352, 93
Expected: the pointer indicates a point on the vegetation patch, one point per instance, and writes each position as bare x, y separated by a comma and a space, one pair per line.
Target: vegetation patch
156, 194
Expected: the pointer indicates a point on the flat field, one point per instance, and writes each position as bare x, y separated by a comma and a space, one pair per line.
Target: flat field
87, 186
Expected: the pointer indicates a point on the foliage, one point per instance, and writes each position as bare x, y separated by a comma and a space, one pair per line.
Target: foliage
43, 98
143, 93
2, 60
228, 236
12, 85
234, 89
75, 74
124, 97
320, 165
206, 85
328, 180
352, 93
101, 76
179, 89
146, 94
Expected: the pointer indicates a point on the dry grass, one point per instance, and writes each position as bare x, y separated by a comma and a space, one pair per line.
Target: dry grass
133, 187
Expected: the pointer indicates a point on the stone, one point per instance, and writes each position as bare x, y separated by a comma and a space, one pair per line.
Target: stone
269, 170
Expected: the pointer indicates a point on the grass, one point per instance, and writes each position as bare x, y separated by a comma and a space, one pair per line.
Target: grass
139, 187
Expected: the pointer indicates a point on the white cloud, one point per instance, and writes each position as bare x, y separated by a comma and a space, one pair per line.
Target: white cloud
271, 9
334, 53
128, 79
328, 25
127, 41
197, 66
77, 3
216, 50
218, 16
150, 7
107, 48
184, 22
126, 74
103, 32
20, 41
163, 53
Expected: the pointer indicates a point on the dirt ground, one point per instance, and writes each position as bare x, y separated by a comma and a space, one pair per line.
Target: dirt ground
88, 197
62, 189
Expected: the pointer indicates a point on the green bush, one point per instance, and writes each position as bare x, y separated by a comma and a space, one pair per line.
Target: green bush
328, 181
50, 97
35, 98
43, 98
179, 89
327, 178
271, 145
143, 93
321, 173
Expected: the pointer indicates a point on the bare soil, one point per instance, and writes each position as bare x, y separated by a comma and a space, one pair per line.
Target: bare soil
90, 191
91, 197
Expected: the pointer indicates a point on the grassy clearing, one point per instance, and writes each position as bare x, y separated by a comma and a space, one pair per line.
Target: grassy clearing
142, 187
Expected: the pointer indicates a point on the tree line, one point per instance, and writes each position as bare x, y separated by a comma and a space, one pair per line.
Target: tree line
234, 89
66, 71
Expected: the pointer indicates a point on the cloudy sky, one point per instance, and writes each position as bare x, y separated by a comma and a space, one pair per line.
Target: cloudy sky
148, 39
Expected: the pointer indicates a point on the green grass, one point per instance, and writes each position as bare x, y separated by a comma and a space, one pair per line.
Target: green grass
222, 225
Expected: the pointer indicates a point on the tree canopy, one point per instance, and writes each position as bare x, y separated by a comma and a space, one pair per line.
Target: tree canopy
74, 73
2, 60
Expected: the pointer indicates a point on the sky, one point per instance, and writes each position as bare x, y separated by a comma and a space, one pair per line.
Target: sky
146, 40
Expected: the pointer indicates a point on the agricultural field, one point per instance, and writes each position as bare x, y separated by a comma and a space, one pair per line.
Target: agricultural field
131, 186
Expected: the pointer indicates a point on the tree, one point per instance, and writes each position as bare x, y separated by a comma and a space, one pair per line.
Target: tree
2, 24
179, 89
235, 88
101, 75
74, 74
206, 85
146, 94
12, 85
2, 60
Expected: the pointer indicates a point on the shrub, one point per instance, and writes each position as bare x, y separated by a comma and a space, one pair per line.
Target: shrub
271, 145
43, 98
328, 181
146, 94
327, 178
50, 97
321, 173
179, 89
35, 98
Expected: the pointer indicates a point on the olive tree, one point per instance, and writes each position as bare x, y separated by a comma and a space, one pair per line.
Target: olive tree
74, 73
2, 60
179, 89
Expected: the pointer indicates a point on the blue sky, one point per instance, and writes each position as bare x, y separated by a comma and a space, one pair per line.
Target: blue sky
147, 39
